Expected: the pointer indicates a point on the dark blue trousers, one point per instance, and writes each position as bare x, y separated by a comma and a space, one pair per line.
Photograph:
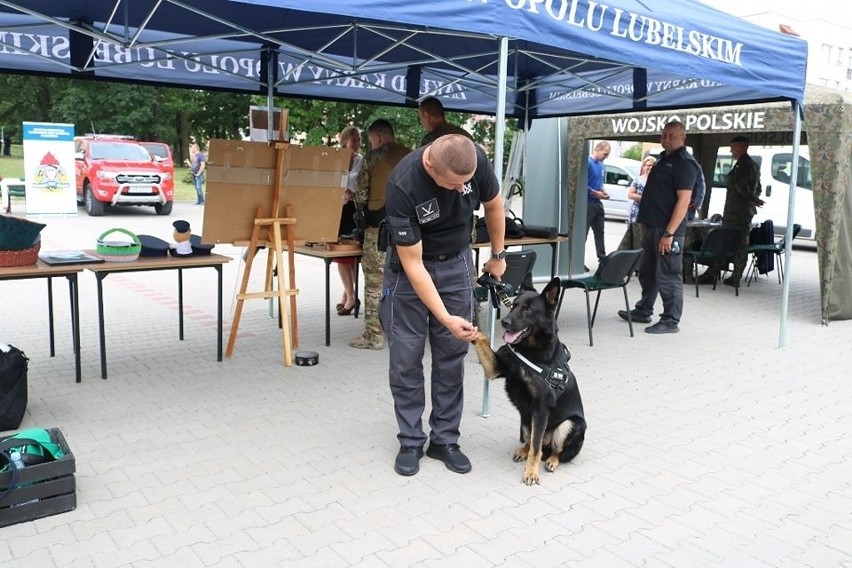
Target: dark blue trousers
407, 324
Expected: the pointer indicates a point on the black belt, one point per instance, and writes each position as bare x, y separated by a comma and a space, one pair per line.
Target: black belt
440, 257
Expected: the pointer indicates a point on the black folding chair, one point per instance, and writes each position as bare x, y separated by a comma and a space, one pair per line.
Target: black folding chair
777, 248
614, 271
719, 246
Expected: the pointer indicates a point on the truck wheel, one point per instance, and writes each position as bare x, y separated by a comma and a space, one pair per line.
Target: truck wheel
94, 207
164, 209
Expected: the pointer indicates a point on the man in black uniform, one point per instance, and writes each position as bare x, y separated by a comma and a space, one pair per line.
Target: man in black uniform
665, 201
428, 288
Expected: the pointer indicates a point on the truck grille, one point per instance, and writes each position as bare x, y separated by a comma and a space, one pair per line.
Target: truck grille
138, 178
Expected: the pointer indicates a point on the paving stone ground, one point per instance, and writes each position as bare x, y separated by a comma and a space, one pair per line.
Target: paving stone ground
712, 447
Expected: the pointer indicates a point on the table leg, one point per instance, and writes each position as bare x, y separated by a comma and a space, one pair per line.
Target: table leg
75, 324
180, 304
218, 268
50, 327
357, 302
327, 302
100, 278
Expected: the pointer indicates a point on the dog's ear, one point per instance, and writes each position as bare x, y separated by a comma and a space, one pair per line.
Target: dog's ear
551, 293
527, 284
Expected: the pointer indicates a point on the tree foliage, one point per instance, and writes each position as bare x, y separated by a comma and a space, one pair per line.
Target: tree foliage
172, 115
634, 152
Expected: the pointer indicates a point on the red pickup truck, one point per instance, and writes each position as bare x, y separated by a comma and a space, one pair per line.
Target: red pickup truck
118, 171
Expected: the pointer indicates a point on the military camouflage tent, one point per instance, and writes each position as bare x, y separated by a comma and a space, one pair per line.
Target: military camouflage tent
827, 130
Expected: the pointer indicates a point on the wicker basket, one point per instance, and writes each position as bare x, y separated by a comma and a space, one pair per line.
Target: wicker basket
23, 257
118, 250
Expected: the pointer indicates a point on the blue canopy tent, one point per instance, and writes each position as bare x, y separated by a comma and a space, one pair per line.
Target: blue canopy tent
519, 58
561, 58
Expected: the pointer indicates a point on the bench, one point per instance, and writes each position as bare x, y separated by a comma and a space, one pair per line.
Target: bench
12, 187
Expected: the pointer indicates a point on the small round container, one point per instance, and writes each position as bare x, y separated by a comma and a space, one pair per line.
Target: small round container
306, 358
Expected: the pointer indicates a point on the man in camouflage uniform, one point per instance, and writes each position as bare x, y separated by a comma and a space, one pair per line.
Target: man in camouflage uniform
431, 114
385, 153
743, 198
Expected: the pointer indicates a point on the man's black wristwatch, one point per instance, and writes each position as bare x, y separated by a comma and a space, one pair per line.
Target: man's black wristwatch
499, 255
667, 234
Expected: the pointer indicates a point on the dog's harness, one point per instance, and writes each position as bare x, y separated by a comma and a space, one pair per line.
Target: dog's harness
556, 375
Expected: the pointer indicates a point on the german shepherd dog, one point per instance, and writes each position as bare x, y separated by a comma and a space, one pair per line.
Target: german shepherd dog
538, 381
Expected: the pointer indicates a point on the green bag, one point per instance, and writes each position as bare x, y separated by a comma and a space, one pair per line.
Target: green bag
34, 446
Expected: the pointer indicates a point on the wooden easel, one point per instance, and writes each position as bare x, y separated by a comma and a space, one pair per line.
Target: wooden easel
277, 226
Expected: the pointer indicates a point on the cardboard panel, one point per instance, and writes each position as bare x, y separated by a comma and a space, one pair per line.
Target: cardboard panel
230, 209
241, 176
321, 206
318, 158
240, 154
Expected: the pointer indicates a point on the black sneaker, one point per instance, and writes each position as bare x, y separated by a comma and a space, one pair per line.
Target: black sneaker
451, 455
663, 326
408, 460
635, 316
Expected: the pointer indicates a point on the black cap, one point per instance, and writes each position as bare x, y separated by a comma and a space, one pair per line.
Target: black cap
740, 138
197, 247
153, 246
181, 226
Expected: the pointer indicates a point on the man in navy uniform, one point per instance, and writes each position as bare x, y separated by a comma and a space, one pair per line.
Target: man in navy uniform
665, 201
428, 288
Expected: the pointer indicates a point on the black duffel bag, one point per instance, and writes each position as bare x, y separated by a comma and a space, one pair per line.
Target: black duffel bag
514, 229
13, 387
540, 231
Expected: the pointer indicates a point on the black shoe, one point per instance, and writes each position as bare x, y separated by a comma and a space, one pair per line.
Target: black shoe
408, 460
662, 326
735, 282
451, 455
635, 316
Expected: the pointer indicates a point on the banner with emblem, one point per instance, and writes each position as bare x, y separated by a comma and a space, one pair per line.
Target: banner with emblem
49, 168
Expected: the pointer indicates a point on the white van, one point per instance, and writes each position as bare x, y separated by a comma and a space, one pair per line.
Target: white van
775, 166
619, 173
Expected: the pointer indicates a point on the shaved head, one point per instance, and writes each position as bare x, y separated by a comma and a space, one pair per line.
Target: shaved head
454, 154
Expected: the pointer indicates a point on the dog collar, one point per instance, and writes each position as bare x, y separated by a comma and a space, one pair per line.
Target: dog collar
556, 375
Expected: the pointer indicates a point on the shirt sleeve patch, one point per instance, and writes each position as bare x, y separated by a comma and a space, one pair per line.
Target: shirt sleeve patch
403, 231
428, 211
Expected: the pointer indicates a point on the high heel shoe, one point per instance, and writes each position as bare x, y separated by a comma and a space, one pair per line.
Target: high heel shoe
343, 311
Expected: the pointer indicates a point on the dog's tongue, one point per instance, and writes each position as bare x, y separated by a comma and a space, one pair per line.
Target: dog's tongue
512, 337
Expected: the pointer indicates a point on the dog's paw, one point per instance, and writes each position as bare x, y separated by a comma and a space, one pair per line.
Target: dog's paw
531, 477
486, 356
552, 463
480, 338
520, 454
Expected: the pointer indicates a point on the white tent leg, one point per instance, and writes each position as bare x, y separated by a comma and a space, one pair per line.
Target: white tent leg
499, 128
788, 235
